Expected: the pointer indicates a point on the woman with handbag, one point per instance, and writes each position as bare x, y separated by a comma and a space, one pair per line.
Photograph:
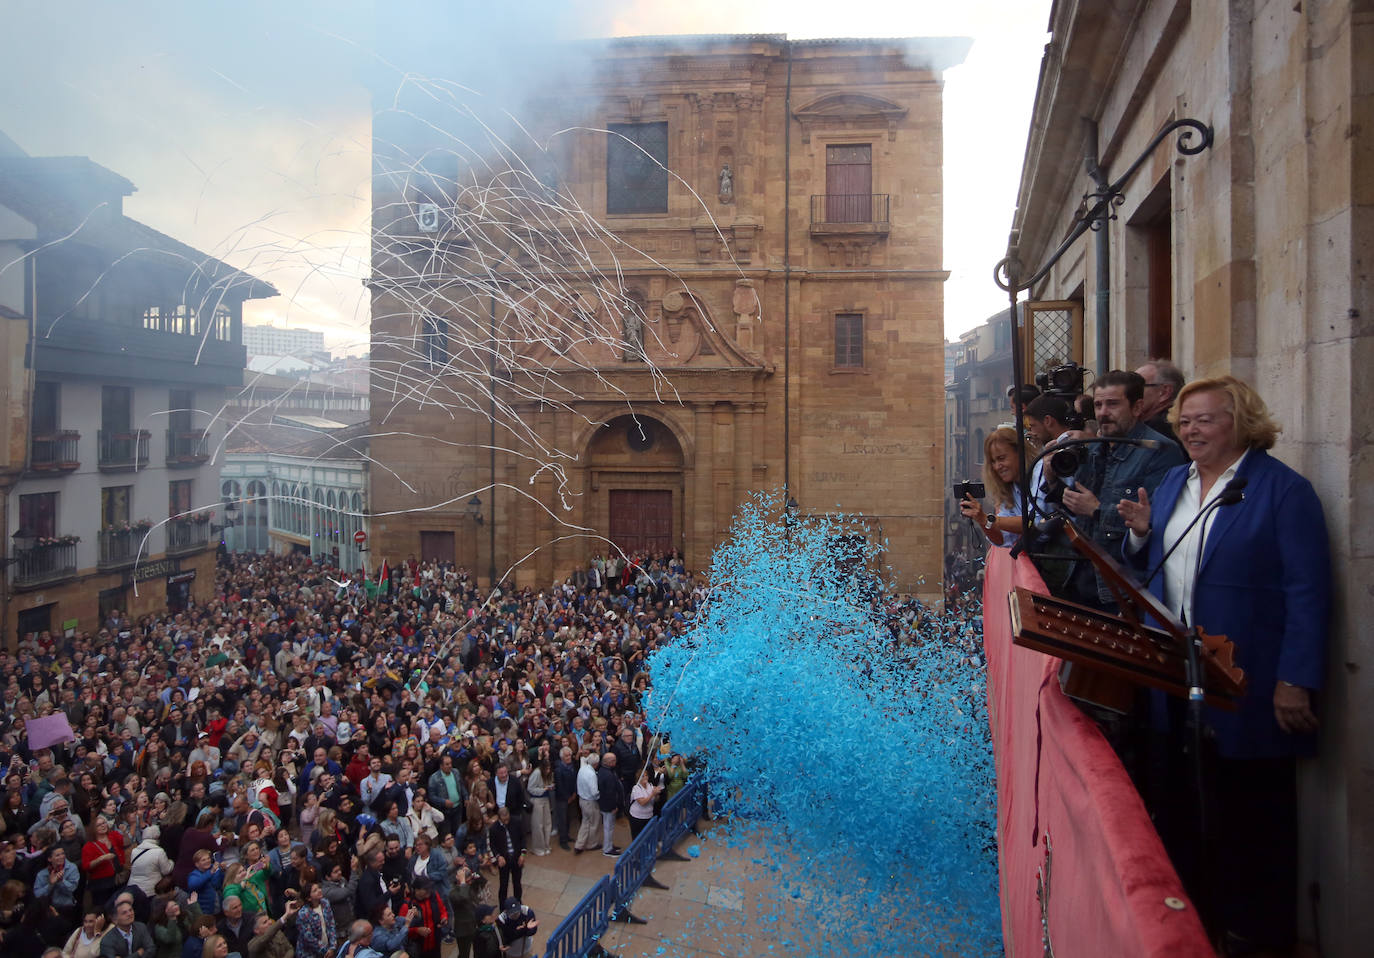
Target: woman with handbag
102, 861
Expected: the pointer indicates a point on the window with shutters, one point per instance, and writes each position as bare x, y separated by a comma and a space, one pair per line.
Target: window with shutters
38, 514
849, 341
114, 506
637, 168
849, 183
116, 409
47, 405
179, 497
434, 346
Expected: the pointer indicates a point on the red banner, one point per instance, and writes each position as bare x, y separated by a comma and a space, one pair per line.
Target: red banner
1079, 861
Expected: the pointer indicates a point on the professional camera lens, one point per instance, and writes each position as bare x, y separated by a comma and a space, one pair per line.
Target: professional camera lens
1065, 462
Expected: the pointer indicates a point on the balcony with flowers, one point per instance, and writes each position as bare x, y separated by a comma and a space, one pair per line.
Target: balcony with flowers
43, 560
121, 543
188, 533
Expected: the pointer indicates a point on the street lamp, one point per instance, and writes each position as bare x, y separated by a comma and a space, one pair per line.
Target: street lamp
24, 539
475, 509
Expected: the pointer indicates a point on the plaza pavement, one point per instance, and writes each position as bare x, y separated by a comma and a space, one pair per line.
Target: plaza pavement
713, 906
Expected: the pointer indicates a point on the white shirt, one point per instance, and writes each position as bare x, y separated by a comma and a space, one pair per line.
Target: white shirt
587, 789
1037, 481
1179, 568
370, 787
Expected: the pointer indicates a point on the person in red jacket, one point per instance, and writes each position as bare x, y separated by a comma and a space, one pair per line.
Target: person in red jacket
101, 858
427, 917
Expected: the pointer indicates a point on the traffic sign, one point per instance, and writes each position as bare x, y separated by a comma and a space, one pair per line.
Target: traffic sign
360, 537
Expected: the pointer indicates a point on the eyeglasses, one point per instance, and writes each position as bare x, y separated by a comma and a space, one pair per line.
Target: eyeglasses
1204, 421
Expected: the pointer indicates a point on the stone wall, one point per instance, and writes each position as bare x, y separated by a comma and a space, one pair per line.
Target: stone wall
1271, 236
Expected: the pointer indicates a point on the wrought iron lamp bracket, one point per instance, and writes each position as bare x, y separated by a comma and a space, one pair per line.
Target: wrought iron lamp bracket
1099, 206
1096, 209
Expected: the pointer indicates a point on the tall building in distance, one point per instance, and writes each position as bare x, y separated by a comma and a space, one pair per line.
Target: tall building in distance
723, 276
276, 341
120, 344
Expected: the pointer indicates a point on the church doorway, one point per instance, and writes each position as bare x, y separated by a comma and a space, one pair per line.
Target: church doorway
635, 467
642, 520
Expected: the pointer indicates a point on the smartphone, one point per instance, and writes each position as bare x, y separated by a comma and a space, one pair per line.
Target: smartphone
969, 488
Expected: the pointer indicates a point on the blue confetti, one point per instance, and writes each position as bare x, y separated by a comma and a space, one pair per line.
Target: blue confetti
849, 726
694, 851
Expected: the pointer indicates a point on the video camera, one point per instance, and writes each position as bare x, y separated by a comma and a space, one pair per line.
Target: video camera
1065, 382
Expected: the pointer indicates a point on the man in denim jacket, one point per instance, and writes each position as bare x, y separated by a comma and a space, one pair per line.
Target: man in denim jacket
1115, 471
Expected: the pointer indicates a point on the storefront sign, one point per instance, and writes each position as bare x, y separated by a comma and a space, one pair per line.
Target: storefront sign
181, 577
156, 570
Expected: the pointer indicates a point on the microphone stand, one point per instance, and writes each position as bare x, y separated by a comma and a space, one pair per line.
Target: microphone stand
1196, 700
1229, 495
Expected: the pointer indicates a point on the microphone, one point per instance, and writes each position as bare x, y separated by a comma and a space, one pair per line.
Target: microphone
1230, 494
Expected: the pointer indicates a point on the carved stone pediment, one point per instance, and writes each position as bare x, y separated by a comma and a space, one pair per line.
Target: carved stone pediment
842, 111
679, 333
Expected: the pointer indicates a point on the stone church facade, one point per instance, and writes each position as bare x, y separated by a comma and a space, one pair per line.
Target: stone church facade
776, 301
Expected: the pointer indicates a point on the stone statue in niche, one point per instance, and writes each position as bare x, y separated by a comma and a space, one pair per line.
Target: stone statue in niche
632, 327
727, 184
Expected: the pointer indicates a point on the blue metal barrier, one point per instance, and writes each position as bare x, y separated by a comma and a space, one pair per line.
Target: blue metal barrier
636, 862
585, 924
588, 921
681, 813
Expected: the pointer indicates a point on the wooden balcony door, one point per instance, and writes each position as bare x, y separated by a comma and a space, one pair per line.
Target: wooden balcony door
849, 184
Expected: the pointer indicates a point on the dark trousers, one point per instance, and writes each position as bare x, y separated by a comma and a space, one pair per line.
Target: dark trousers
455, 817
510, 877
637, 825
1243, 873
559, 810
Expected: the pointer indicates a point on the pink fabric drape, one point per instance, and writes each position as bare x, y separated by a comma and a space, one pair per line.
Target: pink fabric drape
1061, 788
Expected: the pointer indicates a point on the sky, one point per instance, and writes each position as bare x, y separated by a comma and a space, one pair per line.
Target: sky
246, 127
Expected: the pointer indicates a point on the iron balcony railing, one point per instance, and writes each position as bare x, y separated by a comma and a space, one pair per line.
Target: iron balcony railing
831, 210
121, 451
55, 452
119, 548
187, 535
186, 447
44, 564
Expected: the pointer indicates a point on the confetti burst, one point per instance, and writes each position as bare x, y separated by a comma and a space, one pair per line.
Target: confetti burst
851, 727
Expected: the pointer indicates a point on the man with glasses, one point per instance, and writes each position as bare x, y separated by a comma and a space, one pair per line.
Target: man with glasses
1163, 381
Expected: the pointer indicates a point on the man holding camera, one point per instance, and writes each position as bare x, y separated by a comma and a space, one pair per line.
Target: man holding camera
1133, 457
1049, 420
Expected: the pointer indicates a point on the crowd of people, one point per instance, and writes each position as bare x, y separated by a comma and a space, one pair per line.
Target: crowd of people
323, 765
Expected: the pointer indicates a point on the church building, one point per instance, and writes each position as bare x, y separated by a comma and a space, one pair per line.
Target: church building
696, 269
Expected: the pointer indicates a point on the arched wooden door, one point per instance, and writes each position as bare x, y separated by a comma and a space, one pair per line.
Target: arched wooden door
642, 519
